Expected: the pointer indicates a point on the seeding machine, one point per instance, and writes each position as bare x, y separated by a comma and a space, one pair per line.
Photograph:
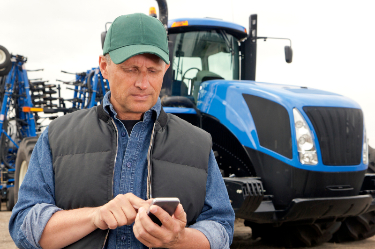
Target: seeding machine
26, 106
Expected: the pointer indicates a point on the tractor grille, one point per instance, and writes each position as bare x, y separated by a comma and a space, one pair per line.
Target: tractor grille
340, 134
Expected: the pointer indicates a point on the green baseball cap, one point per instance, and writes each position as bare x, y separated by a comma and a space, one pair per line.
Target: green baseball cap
134, 34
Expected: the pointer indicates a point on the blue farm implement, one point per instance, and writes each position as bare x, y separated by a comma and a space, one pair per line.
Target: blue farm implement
22, 102
89, 88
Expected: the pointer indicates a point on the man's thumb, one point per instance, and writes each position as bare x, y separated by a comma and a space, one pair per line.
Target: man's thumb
180, 213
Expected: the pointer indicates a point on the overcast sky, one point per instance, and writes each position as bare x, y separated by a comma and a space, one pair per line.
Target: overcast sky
333, 41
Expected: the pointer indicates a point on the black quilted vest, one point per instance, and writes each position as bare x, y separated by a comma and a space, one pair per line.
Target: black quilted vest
84, 147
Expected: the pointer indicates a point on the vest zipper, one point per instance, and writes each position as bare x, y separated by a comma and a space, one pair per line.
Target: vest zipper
149, 194
113, 174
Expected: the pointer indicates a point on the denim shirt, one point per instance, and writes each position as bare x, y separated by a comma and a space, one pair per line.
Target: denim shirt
36, 201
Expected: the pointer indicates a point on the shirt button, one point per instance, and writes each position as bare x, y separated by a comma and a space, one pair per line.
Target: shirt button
123, 237
123, 134
128, 164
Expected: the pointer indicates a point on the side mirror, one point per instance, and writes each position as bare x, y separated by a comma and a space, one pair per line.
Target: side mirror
103, 37
288, 54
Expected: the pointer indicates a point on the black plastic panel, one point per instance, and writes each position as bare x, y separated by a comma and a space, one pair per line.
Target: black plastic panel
286, 182
340, 134
272, 124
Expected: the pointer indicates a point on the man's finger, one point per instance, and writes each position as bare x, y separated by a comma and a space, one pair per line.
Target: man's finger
108, 218
135, 200
142, 222
163, 216
128, 210
180, 214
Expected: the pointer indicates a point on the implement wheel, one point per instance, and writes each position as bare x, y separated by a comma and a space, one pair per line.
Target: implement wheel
291, 236
356, 228
22, 162
4, 58
5, 70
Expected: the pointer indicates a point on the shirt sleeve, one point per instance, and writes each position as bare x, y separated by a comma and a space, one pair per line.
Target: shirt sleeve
216, 220
36, 198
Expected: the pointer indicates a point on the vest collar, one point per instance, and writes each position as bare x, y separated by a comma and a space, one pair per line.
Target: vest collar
103, 115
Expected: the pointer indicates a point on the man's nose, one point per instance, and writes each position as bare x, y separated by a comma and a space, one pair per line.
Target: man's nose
142, 81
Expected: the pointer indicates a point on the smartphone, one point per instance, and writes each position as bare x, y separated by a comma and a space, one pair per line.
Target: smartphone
168, 204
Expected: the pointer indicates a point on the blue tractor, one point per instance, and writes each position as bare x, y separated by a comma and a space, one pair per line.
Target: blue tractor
294, 159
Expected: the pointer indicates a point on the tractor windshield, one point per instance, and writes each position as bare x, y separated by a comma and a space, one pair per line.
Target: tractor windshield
199, 56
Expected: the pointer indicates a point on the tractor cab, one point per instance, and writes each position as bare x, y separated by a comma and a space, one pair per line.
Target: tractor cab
201, 50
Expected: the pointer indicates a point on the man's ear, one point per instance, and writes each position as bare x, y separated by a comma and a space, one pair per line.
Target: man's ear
166, 67
103, 65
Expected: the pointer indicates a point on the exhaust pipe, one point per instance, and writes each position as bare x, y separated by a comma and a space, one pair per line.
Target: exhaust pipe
163, 13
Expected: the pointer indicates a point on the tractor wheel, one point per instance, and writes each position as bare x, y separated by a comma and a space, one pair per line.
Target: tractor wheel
291, 236
22, 162
4, 58
356, 228
10, 199
371, 160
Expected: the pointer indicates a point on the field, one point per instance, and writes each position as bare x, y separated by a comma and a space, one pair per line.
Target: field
242, 238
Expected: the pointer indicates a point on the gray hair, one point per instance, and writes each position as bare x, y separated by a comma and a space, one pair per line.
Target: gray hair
108, 58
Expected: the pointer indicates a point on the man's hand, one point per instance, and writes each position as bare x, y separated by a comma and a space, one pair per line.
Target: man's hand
168, 235
120, 211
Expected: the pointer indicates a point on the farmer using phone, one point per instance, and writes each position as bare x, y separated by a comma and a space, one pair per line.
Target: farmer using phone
93, 172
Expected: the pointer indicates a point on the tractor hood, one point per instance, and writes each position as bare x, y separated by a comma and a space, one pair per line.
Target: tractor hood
228, 102
289, 96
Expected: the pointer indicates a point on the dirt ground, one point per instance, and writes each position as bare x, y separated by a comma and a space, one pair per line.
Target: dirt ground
242, 238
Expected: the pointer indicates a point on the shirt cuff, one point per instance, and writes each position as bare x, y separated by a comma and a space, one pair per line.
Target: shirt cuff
214, 232
35, 221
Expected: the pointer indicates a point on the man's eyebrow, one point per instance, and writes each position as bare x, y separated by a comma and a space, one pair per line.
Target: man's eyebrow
158, 69
126, 67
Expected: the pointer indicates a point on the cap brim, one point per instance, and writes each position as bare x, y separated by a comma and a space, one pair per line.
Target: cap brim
122, 54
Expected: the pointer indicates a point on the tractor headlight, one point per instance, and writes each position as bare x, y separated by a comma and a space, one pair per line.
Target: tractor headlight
305, 143
365, 147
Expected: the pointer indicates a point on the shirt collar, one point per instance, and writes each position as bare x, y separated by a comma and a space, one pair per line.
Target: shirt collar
108, 107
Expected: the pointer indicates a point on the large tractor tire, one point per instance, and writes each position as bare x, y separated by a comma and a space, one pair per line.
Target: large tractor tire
371, 160
291, 236
10, 199
356, 228
22, 162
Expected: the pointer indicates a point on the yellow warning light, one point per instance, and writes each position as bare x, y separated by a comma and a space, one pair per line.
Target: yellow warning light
179, 24
245, 30
35, 109
152, 12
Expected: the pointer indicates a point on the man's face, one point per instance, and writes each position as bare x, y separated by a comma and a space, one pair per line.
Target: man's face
135, 84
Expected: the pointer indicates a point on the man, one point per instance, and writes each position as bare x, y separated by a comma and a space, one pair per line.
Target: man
92, 172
